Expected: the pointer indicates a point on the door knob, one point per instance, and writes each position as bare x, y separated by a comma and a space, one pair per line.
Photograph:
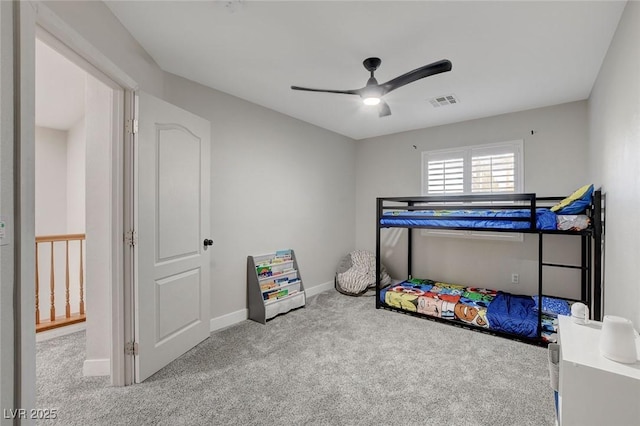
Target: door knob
208, 242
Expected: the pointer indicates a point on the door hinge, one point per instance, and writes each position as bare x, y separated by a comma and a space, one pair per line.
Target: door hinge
131, 348
131, 238
131, 126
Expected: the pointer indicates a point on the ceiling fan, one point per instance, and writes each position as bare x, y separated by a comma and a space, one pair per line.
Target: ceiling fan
373, 92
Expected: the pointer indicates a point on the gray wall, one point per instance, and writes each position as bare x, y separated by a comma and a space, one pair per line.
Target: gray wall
276, 183
614, 130
555, 164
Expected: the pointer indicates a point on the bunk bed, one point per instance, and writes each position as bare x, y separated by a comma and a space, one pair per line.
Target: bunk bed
529, 318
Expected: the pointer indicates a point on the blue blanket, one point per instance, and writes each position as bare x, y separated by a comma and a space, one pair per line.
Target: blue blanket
497, 219
513, 314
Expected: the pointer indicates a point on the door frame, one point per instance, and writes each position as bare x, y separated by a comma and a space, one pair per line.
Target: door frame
34, 18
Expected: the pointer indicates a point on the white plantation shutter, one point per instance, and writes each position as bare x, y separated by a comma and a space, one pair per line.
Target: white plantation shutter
480, 169
493, 173
445, 176
494, 168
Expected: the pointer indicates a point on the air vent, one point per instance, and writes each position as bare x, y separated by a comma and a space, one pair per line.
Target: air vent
439, 101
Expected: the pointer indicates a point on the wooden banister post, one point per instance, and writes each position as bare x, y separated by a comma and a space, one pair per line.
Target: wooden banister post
37, 288
67, 306
52, 288
81, 282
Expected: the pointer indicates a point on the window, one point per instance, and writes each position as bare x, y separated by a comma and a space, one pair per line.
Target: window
480, 169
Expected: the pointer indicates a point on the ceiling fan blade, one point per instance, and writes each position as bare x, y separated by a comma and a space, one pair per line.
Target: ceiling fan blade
383, 109
438, 67
342, 92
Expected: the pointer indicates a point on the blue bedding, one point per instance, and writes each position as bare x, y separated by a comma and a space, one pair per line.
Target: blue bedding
513, 314
492, 219
480, 307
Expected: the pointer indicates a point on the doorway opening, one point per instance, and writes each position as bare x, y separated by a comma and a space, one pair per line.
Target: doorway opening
76, 126
60, 150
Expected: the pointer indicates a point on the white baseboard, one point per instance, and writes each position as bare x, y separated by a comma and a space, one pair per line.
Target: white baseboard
96, 367
317, 289
228, 320
61, 331
237, 317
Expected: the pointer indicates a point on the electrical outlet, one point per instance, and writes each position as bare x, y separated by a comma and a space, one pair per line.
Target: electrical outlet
515, 278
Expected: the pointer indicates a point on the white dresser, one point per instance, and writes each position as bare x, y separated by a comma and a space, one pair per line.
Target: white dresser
593, 389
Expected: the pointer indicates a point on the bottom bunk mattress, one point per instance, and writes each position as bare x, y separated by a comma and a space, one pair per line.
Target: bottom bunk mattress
480, 307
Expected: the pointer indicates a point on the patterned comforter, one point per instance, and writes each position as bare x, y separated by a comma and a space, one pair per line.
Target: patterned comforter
495, 310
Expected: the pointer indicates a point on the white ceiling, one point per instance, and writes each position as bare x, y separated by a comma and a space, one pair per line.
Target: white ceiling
507, 56
59, 89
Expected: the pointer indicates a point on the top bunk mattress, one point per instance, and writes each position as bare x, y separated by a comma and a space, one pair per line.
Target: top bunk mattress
487, 219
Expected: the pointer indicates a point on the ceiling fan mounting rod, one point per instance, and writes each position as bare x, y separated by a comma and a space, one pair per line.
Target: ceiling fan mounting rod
372, 64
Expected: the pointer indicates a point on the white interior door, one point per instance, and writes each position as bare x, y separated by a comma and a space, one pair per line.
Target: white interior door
172, 260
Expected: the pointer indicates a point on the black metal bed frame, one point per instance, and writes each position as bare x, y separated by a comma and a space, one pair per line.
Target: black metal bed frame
591, 243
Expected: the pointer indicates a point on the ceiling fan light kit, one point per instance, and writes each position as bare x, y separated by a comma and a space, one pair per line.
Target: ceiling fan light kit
373, 92
371, 101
